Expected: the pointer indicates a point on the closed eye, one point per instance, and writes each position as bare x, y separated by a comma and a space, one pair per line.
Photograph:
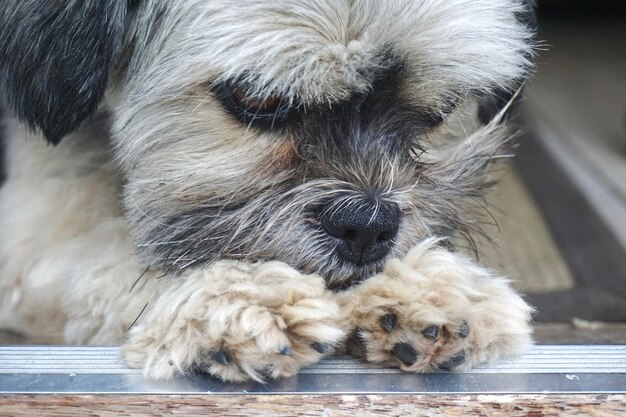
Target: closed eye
269, 112
256, 106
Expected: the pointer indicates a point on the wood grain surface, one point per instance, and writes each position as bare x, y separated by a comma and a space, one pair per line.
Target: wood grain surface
18, 405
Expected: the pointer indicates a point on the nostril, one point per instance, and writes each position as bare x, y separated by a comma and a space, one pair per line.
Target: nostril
350, 234
386, 236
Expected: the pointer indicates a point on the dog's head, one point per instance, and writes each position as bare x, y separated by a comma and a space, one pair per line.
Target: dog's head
329, 134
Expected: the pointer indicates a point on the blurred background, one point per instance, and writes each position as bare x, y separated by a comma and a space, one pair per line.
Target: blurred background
561, 205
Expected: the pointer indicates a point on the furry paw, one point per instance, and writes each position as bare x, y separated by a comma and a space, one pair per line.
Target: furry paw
436, 310
237, 321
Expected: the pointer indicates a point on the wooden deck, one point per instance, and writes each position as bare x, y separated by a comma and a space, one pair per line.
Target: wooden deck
315, 405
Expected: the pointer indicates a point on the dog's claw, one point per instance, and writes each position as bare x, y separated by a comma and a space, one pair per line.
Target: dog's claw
221, 357
321, 347
431, 332
360, 340
405, 352
389, 321
463, 330
266, 374
454, 361
287, 351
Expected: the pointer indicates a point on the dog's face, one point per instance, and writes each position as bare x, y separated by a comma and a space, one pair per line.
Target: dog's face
320, 133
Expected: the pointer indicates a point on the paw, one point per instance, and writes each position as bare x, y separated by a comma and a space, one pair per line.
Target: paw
436, 310
237, 322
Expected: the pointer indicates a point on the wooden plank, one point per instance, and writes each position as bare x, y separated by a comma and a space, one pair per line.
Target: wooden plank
314, 405
580, 333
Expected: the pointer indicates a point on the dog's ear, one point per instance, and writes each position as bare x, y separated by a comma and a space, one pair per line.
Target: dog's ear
490, 106
56, 57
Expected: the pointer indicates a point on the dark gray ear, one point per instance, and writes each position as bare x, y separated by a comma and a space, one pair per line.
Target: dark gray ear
55, 59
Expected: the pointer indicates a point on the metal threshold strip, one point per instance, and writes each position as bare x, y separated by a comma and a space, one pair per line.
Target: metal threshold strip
98, 370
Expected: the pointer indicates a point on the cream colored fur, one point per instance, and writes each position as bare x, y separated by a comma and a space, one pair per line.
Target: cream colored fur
434, 287
251, 311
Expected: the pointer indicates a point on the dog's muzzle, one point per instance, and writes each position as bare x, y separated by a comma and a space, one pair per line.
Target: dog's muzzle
364, 233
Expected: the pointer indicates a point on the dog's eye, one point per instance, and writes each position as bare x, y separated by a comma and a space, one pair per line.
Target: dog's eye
271, 112
256, 106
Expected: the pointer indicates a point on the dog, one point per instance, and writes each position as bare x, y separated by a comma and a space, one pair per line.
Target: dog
243, 187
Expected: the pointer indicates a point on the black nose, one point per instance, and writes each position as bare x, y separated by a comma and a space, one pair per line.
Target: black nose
364, 232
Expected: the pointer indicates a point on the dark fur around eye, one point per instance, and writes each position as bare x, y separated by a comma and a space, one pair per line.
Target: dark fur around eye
266, 114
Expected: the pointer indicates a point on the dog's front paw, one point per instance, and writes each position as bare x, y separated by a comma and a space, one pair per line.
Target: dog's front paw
436, 310
238, 322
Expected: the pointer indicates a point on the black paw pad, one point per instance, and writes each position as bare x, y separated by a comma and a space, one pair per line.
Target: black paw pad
454, 361
321, 347
463, 330
287, 351
221, 357
389, 321
405, 353
431, 332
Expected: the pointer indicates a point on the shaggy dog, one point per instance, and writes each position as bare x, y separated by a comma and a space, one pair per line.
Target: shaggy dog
241, 187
